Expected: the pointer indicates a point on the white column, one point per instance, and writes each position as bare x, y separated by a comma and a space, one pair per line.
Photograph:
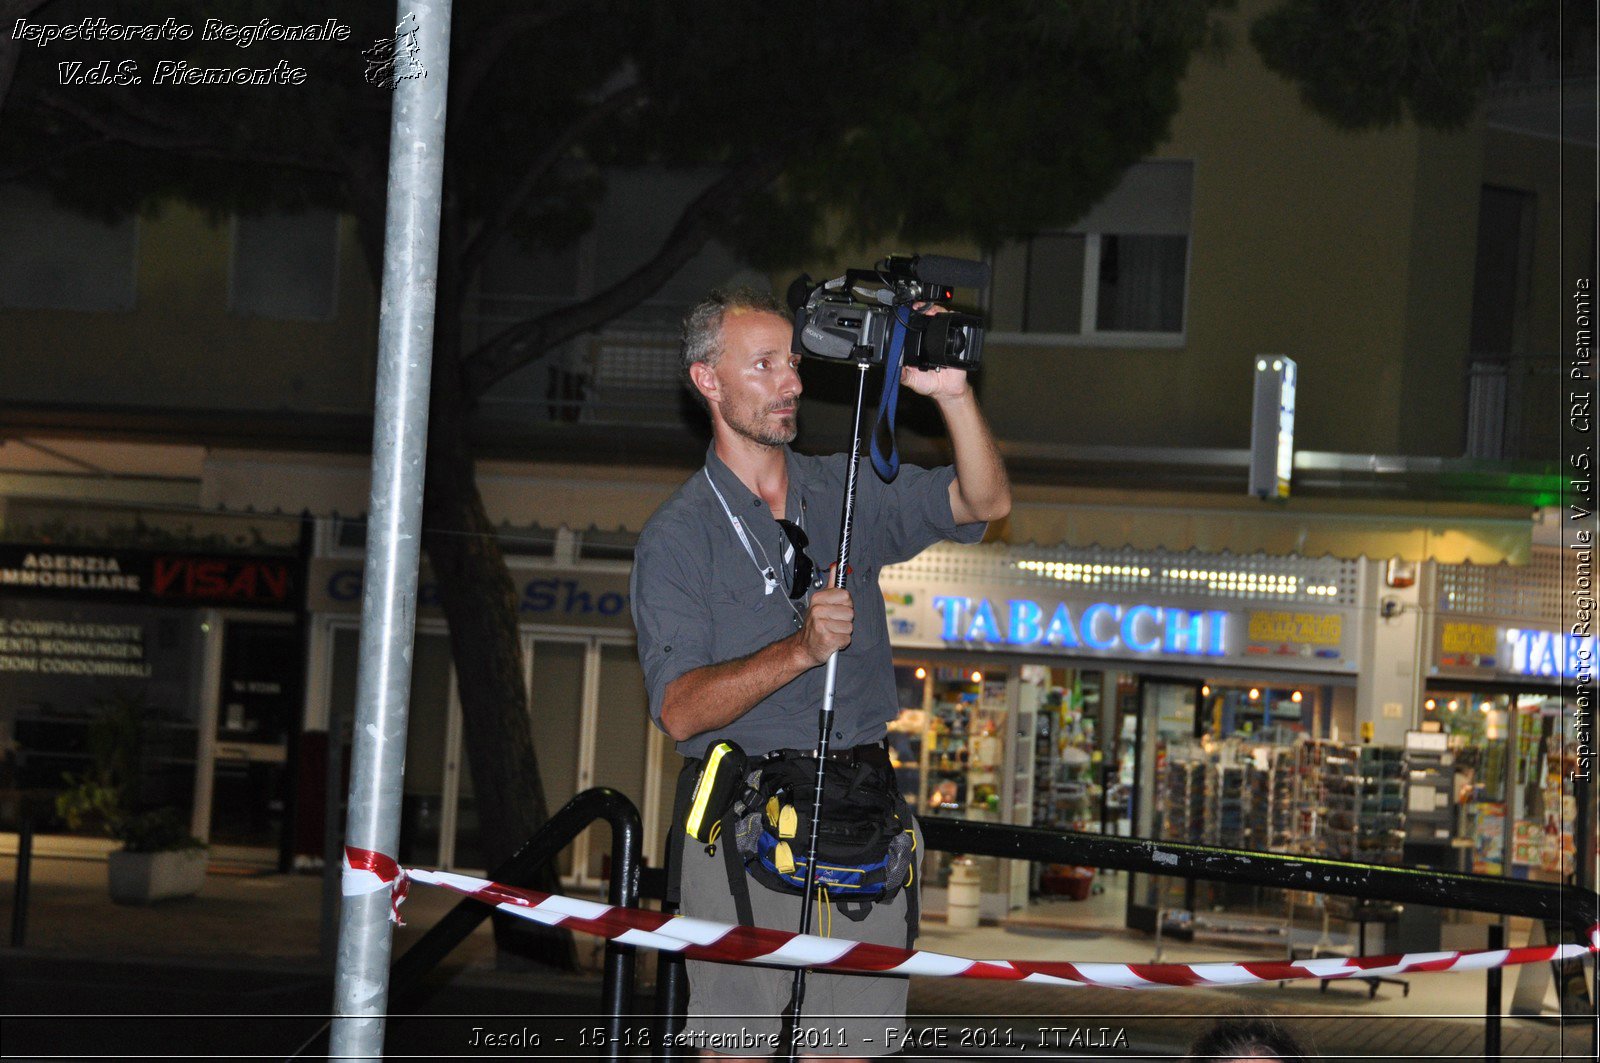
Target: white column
205, 752
1390, 684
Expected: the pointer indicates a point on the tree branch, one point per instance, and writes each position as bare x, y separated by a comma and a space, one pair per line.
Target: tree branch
490, 232
194, 144
10, 53
365, 172
151, 115
10, 50
517, 345
474, 68
40, 163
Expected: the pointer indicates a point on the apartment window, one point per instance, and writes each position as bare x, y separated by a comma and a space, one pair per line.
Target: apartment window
1117, 276
1500, 287
285, 266
52, 258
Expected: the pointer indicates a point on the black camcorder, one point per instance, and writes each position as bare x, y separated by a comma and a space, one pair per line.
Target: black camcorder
851, 318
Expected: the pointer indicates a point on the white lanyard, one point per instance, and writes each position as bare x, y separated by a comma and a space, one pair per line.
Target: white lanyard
768, 575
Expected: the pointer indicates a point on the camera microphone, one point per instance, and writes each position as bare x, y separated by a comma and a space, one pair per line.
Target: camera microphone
948, 272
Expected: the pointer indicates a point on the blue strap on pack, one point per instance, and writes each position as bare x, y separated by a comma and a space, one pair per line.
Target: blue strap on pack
889, 467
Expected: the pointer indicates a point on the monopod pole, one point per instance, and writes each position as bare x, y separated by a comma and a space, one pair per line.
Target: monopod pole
841, 572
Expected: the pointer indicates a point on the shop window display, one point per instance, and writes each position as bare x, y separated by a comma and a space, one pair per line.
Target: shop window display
1068, 769
906, 732
1067, 758
1119, 799
1166, 745
1244, 771
1484, 785
1363, 791
1513, 779
1273, 716
947, 747
1000, 745
963, 744
53, 696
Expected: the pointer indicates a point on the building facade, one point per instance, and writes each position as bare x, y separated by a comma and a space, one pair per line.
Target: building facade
1079, 688
186, 403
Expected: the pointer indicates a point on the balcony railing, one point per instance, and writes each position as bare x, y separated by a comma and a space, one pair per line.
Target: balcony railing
625, 374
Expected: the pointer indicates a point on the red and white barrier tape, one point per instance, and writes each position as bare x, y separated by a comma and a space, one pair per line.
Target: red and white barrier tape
703, 940
368, 872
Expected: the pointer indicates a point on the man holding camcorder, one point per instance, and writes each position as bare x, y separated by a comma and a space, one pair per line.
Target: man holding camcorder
736, 617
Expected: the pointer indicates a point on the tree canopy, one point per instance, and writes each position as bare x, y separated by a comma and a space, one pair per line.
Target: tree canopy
963, 120
1365, 63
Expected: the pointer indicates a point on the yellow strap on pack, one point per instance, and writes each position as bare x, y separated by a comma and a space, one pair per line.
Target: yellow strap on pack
783, 859
788, 821
772, 810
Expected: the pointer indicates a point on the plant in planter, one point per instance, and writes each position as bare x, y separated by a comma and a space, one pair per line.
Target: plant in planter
159, 858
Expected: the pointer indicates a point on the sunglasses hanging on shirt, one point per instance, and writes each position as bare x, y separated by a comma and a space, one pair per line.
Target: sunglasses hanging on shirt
796, 562
801, 568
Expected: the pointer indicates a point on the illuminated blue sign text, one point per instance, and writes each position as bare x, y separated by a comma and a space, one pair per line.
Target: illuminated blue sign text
1103, 626
1549, 653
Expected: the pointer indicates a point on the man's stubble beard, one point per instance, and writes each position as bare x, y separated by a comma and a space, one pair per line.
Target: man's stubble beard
756, 432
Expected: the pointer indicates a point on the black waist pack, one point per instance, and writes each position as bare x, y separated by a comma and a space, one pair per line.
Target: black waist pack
865, 839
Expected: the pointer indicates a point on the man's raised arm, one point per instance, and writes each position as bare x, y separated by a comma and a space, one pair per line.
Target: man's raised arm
981, 490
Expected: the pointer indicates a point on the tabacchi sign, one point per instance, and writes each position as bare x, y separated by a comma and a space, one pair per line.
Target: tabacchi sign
1013, 619
1548, 653
1103, 626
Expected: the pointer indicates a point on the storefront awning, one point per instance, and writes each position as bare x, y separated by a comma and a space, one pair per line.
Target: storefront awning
549, 496
623, 498
1451, 539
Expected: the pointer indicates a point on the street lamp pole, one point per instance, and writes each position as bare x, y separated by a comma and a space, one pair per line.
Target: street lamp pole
394, 521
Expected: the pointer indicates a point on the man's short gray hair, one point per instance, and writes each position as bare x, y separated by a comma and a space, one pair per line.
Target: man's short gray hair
702, 325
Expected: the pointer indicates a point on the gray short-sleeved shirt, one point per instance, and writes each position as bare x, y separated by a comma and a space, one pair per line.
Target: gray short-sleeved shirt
698, 599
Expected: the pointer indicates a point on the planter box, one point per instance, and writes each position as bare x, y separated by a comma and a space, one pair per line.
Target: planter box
139, 878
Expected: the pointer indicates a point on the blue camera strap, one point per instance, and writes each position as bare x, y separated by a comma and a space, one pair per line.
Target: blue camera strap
889, 467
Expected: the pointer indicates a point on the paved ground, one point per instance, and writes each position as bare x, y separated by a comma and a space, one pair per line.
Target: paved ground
241, 964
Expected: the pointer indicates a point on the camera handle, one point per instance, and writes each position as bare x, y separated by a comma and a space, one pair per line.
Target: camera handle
841, 572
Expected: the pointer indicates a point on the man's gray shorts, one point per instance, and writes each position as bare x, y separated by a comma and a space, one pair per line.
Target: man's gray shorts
843, 1014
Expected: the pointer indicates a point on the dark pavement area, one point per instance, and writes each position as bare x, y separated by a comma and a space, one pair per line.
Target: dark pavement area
236, 973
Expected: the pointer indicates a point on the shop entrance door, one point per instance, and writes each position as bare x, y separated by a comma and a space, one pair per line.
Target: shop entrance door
591, 727
1168, 721
590, 723
258, 715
